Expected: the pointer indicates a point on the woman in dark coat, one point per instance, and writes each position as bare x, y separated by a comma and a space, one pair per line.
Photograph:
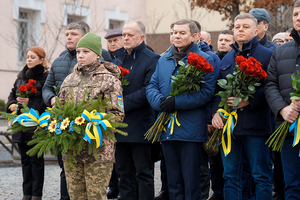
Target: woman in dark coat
32, 167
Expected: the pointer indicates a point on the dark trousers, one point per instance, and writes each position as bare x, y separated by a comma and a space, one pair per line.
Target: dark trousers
163, 174
133, 162
113, 182
64, 195
216, 173
205, 175
183, 169
33, 172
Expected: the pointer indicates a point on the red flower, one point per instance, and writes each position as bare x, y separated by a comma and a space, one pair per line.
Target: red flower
262, 75
28, 85
33, 90
124, 71
250, 70
239, 59
243, 65
32, 81
23, 88
192, 58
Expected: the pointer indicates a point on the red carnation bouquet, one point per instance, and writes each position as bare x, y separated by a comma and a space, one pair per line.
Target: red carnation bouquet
241, 84
187, 80
27, 89
124, 72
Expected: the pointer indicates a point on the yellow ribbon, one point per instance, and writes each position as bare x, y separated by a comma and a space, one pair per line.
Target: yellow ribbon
172, 120
95, 120
228, 127
32, 119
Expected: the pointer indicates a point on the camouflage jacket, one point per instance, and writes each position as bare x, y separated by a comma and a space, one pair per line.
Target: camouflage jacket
97, 78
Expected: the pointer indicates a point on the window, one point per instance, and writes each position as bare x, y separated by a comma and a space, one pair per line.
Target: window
114, 19
115, 24
75, 18
23, 32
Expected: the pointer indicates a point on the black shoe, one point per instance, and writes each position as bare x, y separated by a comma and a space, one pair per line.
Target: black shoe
112, 193
215, 198
162, 195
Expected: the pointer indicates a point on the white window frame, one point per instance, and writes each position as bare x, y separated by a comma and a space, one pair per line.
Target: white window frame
115, 15
83, 12
37, 11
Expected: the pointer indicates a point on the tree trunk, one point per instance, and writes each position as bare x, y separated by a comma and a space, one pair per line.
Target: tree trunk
235, 10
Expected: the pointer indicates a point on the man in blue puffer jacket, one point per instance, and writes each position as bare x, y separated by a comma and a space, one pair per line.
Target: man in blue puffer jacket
253, 126
182, 149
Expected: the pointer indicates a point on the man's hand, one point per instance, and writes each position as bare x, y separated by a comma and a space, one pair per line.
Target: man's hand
217, 121
296, 105
13, 107
167, 104
53, 102
210, 129
22, 100
289, 114
240, 105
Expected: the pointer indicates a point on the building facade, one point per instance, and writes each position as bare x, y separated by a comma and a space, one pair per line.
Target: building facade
27, 23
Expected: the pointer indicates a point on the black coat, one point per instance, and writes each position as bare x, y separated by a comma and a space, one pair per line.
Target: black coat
285, 61
35, 101
139, 115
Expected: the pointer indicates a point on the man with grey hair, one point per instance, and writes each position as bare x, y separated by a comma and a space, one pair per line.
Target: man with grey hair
253, 126
182, 149
133, 152
60, 69
284, 63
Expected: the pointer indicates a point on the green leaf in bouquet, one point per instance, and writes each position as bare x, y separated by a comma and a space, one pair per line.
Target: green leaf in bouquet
256, 84
181, 63
251, 88
246, 98
229, 76
294, 97
222, 82
236, 102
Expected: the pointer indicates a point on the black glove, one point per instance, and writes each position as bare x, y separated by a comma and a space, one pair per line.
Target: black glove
167, 104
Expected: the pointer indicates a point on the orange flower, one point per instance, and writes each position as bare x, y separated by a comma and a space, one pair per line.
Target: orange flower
52, 126
79, 120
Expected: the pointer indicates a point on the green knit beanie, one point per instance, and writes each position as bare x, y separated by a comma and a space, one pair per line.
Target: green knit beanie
91, 41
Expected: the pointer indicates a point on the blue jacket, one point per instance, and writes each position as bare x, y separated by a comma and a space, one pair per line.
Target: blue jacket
267, 43
191, 108
60, 69
205, 48
139, 115
255, 118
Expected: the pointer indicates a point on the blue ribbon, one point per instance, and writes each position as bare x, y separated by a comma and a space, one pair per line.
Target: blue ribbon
295, 126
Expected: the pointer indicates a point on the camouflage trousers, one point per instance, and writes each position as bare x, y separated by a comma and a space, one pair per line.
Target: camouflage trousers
88, 180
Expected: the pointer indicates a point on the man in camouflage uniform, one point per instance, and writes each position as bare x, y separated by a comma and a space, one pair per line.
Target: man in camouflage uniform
97, 78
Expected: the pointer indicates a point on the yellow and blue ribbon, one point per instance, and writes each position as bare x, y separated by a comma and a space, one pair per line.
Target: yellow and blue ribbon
95, 121
172, 121
296, 126
231, 120
33, 119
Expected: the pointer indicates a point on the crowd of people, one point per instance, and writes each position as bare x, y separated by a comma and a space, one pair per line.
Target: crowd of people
125, 169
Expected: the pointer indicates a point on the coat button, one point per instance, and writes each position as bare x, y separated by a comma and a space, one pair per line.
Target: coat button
297, 65
167, 137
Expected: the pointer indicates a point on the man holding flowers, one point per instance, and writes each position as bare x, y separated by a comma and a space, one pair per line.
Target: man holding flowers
252, 119
182, 147
279, 85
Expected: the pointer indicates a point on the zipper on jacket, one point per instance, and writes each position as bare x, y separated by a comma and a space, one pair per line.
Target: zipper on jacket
79, 88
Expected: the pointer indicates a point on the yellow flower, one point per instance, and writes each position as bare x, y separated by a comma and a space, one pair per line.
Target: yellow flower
65, 123
79, 120
52, 126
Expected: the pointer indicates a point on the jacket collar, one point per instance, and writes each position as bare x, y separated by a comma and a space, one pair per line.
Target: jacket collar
204, 46
72, 53
170, 55
247, 46
137, 49
264, 40
295, 36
